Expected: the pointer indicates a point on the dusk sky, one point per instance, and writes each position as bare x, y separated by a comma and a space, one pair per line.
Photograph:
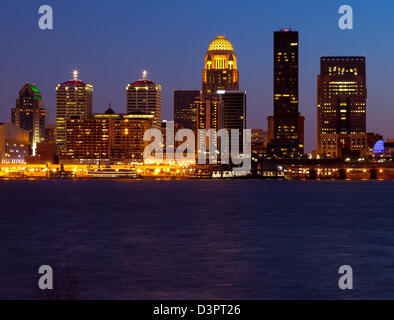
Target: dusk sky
111, 42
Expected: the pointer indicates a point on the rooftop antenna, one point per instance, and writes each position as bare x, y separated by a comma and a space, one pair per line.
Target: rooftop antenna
75, 75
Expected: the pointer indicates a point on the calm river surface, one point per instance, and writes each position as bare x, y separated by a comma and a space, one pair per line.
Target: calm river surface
194, 239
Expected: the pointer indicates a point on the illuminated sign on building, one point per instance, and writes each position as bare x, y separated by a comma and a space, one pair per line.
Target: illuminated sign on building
379, 147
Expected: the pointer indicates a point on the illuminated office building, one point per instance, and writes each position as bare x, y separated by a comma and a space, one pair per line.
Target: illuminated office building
14, 143
286, 141
185, 108
30, 115
74, 98
341, 107
220, 73
145, 96
220, 67
109, 138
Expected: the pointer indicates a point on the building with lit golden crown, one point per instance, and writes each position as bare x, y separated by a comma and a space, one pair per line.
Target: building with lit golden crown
220, 73
74, 98
106, 138
220, 67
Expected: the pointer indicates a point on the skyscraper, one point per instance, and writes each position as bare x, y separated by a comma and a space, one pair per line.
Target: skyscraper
286, 143
233, 104
220, 67
74, 98
341, 106
220, 73
145, 96
29, 114
185, 108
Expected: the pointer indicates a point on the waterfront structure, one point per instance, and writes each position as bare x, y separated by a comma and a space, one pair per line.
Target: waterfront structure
286, 139
30, 114
185, 108
46, 154
74, 98
341, 107
145, 96
14, 143
107, 138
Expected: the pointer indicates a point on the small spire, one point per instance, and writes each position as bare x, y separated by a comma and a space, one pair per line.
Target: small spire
75, 75
144, 75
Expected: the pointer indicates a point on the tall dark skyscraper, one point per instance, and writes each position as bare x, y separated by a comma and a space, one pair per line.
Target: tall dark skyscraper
286, 142
341, 107
185, 108
30, 115
233, 104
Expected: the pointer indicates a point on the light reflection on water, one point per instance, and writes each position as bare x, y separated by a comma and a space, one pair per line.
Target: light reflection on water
245, 239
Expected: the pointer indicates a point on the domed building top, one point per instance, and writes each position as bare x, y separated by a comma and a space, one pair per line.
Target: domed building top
220, 44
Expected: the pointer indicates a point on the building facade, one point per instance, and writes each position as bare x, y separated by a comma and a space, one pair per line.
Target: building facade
286, 142
220, 67
74, 98
220, 74
341, 107
233, 105
185, 108
30, 115
14, 143
106, 138
145, 96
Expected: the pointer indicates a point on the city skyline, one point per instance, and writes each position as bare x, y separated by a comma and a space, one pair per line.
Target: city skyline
109, 71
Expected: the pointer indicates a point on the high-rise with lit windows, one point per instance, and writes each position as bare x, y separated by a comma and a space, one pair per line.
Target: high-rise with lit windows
341, 107
30, 114
220, 67
286, 141
106, 138
74, 98
220, 73
145, 96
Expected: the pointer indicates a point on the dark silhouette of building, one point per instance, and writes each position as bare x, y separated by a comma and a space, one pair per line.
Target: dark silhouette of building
185, 108
286, 142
